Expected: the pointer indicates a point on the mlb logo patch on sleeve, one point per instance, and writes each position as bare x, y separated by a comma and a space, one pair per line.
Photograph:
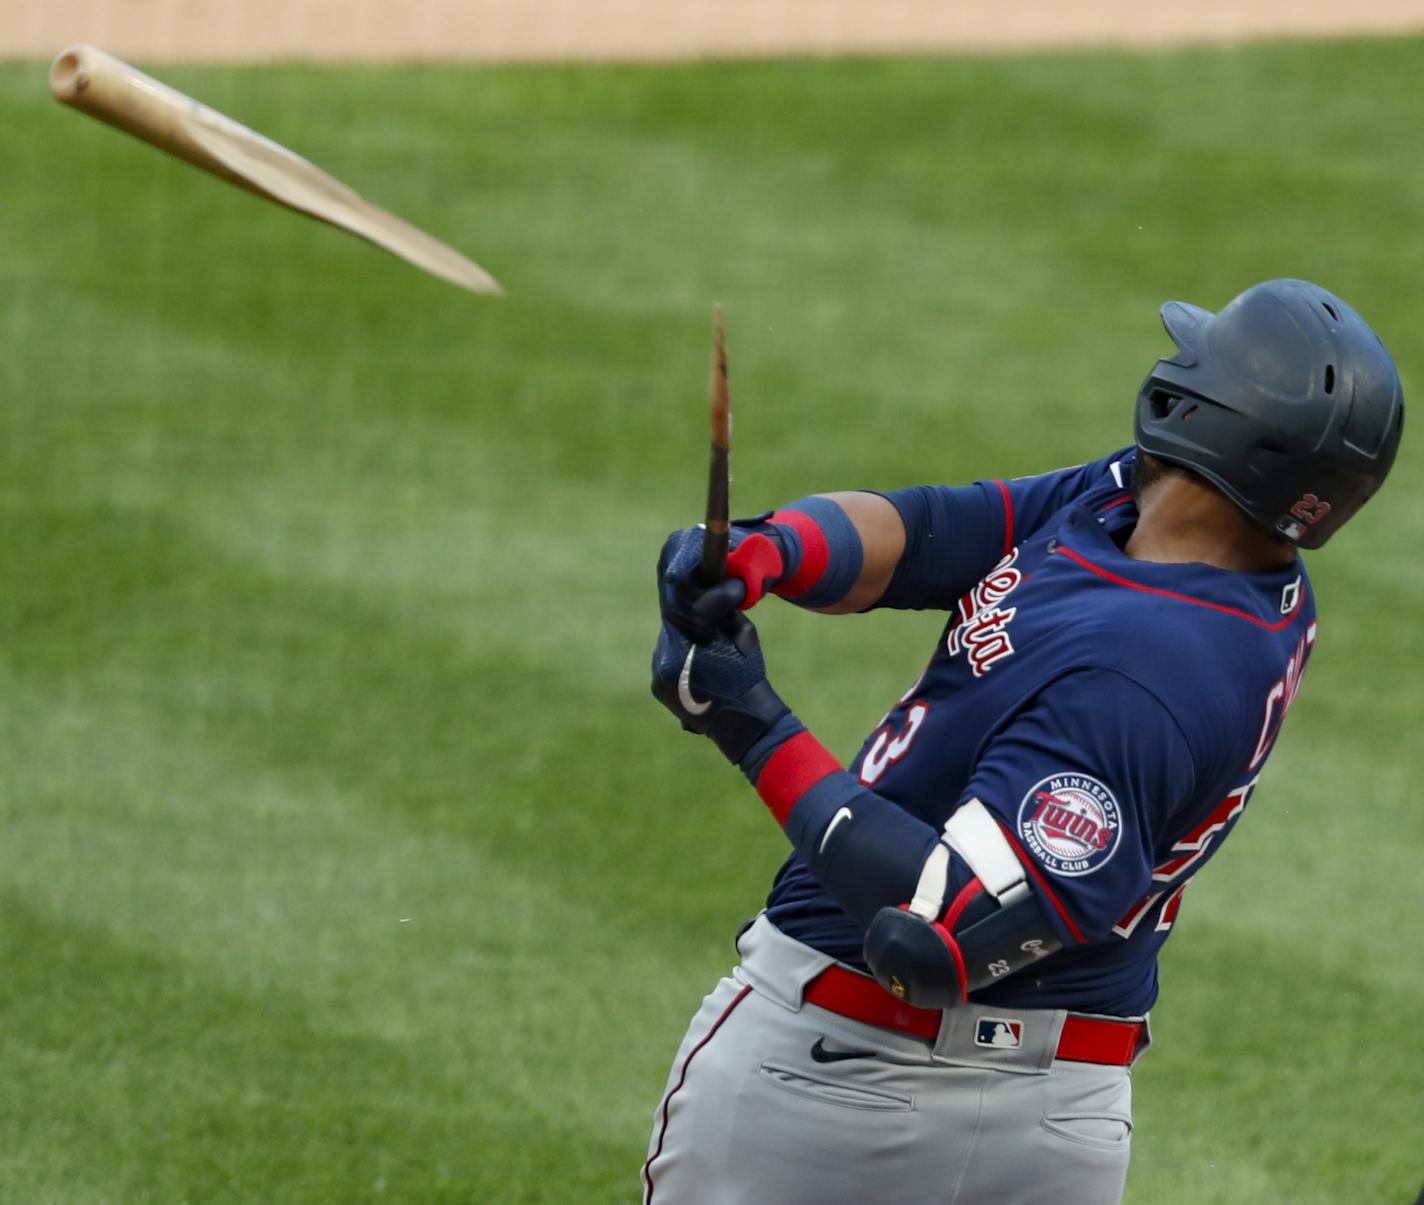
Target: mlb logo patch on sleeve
1000, 1032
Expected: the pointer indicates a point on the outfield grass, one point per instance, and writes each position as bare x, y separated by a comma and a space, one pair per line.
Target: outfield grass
345, 856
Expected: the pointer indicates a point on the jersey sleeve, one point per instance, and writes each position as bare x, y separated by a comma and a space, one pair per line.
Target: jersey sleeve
955, 534
1080, 780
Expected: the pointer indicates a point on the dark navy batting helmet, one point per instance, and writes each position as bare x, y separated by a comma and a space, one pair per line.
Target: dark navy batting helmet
1286, 401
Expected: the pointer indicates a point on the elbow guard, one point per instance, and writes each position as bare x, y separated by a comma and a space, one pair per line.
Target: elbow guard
933, 957
928, 964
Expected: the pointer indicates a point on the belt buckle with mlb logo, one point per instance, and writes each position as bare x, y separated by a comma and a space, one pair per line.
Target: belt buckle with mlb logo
998, 1033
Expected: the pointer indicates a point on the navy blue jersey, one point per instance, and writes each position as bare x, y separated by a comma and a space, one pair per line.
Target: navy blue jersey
1112, 714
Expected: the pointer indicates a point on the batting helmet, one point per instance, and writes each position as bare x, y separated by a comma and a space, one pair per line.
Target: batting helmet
1286, 401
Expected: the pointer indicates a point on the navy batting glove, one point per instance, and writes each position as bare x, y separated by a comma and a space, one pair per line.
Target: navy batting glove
718, 686
684, 601
754, 566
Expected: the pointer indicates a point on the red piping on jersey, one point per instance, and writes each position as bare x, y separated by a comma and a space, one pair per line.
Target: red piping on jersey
1008, 517
815, 552
1042, 883
1186, 598
796, 766
1113, 502
682, 1079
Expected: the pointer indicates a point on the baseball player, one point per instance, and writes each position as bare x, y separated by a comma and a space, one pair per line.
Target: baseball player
950, 981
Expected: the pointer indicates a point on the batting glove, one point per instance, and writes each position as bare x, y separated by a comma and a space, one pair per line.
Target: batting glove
719, 687
755, 565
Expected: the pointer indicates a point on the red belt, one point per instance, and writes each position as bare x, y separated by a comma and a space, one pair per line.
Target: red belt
1084, 1039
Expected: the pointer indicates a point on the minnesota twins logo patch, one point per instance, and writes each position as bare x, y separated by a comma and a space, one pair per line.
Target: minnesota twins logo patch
1071, 822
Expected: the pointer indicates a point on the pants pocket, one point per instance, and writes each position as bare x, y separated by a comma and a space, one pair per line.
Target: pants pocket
834, 1092
1089, 1106
1101, 1131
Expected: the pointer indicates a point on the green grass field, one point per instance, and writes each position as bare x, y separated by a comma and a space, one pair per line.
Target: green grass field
345, 856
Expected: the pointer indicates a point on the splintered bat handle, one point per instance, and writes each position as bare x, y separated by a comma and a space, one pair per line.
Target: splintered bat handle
96, 83
715, 538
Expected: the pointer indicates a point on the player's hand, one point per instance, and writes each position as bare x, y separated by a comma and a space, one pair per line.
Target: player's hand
717, 686
755, 564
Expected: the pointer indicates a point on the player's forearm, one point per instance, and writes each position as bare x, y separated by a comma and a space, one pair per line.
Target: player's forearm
863, 849
912, 549
832, 553
881, 533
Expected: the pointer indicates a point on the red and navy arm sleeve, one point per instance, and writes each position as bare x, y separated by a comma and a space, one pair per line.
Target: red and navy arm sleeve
1080, 780
955, 534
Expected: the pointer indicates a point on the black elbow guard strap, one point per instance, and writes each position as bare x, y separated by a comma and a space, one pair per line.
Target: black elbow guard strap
932, 957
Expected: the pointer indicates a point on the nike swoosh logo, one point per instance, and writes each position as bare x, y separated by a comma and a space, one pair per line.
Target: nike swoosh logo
821, 1055
684, 687
843, 814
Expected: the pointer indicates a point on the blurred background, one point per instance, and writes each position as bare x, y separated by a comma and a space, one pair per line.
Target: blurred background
343, 854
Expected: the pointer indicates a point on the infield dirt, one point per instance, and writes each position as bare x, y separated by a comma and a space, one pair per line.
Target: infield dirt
657, 29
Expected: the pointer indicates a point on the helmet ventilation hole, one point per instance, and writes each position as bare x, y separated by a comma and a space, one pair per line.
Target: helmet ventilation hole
1330, 309
1188, 412
1330, 378
1163, 403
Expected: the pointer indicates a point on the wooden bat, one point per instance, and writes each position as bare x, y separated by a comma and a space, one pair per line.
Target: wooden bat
714, 539
107, 88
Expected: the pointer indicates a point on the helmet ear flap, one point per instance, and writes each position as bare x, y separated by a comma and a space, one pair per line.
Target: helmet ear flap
1268, 460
